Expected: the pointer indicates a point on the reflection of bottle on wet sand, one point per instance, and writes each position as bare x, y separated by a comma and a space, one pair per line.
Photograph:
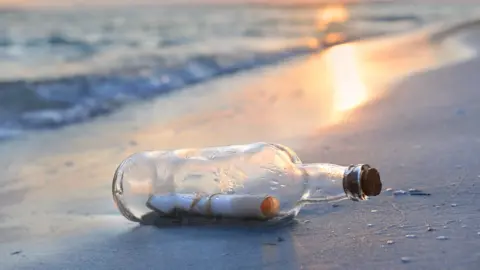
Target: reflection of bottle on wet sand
254, 181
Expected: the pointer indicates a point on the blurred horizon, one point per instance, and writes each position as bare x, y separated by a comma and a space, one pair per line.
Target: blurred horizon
55, 3
87, 3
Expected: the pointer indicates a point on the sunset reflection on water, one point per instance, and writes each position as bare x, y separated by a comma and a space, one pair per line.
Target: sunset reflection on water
294, 99
331, 14
349, 88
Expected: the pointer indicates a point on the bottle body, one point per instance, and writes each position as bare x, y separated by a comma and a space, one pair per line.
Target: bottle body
236, 171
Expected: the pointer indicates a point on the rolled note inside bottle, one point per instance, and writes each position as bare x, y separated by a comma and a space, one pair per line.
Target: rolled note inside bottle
219, 205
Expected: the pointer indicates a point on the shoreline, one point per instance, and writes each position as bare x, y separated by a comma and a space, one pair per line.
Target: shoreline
63, 177
427, 36
48, 103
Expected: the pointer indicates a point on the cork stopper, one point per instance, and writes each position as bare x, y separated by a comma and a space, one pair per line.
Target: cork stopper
362, 180
370, 182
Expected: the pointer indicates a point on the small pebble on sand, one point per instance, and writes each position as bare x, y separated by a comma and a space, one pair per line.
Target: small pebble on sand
478, 233
374, 211
417, 192
369, 225
453, 205
442, 237
405, 259
390, 242
461, 112
69, 163
389, 189
410, 236
430, 229
399, 192
132, 143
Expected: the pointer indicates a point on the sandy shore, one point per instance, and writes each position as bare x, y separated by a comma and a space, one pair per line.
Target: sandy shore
404, 104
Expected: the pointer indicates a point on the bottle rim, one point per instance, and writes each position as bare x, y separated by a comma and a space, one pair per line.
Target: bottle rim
117, 193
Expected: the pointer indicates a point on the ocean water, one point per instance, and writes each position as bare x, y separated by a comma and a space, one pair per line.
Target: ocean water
64, 66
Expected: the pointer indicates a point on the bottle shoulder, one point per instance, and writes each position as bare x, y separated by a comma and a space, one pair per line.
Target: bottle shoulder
294, 158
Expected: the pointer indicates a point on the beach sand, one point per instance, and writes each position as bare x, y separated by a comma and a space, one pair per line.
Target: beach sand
406, 104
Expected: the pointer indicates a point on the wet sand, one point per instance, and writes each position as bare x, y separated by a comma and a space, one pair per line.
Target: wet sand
404, 104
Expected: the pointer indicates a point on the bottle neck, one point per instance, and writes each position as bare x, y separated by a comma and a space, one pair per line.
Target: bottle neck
330, 182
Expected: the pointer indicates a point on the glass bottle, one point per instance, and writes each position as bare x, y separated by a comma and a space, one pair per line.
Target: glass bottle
239, 173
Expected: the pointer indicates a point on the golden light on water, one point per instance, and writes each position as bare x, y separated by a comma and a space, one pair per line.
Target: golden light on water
331, 14
349, 89
341, 61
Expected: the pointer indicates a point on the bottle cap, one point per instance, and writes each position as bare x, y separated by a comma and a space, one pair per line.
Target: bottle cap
362, 180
